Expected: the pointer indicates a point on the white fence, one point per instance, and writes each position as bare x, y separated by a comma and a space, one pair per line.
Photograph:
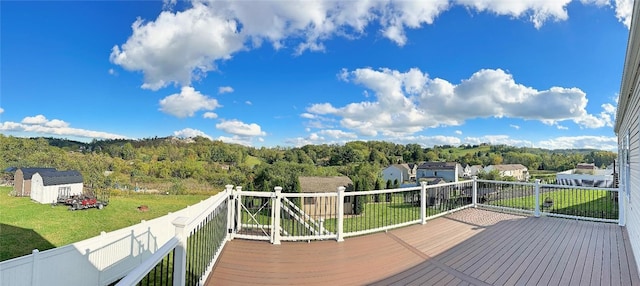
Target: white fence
99, 260
274, 216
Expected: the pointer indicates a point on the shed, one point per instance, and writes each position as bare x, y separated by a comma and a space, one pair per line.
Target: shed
325, 206
22, 180
47, 186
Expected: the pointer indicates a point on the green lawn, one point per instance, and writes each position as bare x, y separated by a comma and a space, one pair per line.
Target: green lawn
25, 225
589, 203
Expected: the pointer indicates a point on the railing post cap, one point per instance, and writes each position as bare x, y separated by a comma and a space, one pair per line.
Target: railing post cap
342, 188
424, 184
278, 189
180, 221
35, 250
239, 188
228, 187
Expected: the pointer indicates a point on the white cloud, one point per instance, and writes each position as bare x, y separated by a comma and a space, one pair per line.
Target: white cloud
516, 127
562, 127
225, 89
595, 142
190, 133
210, 115
498, 140
168, 4
242, 140
409, 102
56, 123
458, 132
308, 115
338, 134
35, 120
187, 103
538, 11
113, 72
624, 9
1, 110
239, 128
322, 108
312, 139
178, 47
248, 102
39, 124
182, 46
427, 141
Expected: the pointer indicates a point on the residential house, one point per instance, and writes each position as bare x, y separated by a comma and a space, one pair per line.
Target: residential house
517, 171
324, 206
22, 180
627, 128
47, 186
400, 172
448, 171
586, 175
470, 171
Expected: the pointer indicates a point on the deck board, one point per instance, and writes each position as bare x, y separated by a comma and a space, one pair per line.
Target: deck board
469, 247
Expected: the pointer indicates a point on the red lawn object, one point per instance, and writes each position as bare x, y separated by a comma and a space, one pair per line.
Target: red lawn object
79, 202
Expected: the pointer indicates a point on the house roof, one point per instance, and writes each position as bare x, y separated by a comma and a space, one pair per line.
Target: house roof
433, 180
27, 173
509, 167
402, 166
53, 178
587, 166
438, 165
324, 184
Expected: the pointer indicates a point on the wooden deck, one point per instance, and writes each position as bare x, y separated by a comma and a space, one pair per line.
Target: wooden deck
470, 247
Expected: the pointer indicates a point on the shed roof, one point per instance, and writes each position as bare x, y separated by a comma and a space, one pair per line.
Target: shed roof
324, 184
438, 165
53, 178
509, 167
27, 173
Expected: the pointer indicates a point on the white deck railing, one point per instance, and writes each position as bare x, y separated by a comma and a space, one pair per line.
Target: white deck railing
186, 252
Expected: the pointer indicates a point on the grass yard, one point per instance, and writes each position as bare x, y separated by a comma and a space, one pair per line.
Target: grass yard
590, 203
25, 225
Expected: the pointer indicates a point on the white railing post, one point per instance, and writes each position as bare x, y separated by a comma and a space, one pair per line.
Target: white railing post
474, 195
180, 258
622, 198
277, 205
230, 200
340, 219
536, 212
321, 225
238, 208
35, 269
423, 202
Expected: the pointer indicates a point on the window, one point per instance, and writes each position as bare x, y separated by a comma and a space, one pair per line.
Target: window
64, 191
309, 201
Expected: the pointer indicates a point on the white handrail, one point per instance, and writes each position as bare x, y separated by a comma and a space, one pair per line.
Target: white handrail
137, 274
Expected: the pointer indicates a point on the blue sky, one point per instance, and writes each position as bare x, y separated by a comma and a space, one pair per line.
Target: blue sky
289, 73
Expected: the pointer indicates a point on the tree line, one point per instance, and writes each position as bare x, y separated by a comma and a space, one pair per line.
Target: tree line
179, 165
